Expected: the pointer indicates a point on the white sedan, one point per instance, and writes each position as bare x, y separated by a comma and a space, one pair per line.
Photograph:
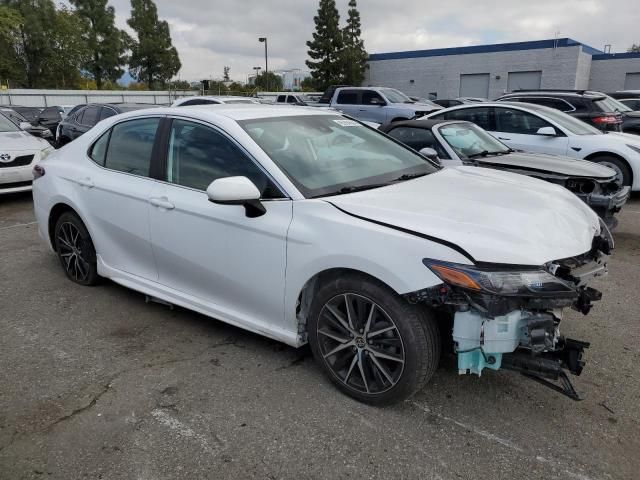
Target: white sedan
212, 100
534, 128
306, 226
19, 152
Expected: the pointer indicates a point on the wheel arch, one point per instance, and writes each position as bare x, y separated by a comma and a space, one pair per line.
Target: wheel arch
595, 155
56, 212
307, 292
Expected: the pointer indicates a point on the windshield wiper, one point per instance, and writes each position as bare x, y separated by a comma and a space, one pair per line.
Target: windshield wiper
352, 189
409, 176
483, 153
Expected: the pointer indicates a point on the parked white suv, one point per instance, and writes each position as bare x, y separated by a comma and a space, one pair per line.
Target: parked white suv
534, 128
19, 152
306, 226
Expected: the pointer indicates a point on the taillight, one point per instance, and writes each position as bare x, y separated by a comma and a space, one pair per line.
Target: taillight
38, 171
607, 119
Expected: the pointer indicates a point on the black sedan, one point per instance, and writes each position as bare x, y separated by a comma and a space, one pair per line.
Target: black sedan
86, 117
24, 124
457, 143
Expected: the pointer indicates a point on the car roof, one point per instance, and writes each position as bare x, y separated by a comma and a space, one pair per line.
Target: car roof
556, 93
238, 112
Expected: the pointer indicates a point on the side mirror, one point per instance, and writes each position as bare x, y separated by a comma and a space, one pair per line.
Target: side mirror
237, 191
25, 125
377, 101
430, 153
547, 132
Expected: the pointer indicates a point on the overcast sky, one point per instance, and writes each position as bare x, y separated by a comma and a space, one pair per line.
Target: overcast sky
211, 34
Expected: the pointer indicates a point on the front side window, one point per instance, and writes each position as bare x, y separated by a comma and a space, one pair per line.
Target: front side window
395, 96
517, 121
329, 154
198, 155
91, 115
481, 116
417, 139
291, 99
369, 97
281, 99
131, 145
469, 140
107, 112
7, 125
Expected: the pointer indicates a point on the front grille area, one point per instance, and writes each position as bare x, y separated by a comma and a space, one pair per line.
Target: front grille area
580, 185
4, 186
21, 161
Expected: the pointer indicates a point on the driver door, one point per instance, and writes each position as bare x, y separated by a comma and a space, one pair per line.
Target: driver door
518, 130
231, 264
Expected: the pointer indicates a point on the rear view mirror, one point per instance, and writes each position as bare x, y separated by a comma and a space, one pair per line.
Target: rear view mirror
237, 191
547, 132
430, 153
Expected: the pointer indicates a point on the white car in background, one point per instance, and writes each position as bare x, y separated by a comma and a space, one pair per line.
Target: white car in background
212, 100
534, 128
19, 152
306, 226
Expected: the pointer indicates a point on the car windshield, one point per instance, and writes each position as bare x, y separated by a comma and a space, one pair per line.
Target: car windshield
7, 125
395, 96
569, 123
15, 117
609, 104
329, 154
469, 140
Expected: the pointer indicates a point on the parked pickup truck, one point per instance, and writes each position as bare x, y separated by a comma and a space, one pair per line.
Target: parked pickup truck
374, 104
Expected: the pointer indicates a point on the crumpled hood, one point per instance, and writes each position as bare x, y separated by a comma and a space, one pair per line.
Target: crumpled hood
19, 141
496, 217
551, 164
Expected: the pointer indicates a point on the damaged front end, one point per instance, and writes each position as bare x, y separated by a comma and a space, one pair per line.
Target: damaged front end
507, 316
605, 197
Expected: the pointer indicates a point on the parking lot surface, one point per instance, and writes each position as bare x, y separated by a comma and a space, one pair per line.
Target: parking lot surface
96, 383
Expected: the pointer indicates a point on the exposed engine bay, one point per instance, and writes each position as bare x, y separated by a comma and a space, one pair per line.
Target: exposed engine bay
509, 316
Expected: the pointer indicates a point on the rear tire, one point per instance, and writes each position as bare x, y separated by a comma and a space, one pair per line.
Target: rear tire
620, 166
371, 343
75, 250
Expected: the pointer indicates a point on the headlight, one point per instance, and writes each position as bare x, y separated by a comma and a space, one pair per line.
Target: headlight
516, 282
45, 152
634, 148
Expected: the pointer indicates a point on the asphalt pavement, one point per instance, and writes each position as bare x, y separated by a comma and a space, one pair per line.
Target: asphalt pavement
95, 383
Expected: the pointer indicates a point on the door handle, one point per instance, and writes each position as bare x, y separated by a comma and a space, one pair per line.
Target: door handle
85, 182
162, 203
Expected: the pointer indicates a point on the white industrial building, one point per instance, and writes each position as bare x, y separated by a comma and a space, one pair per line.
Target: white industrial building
488, 71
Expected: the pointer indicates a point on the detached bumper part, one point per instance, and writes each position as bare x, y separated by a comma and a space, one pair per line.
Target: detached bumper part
607, 205
528, 342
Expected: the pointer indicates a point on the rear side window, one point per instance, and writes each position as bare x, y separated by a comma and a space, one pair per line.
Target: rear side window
418, 138
130, 146
281, 99
481, 116
548, 102
99, 149
348, 97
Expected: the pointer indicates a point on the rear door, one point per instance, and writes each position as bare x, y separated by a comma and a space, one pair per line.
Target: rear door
518, 130
90, 117
348, 101
116, 193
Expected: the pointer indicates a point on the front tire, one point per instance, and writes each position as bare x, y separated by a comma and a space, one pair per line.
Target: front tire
371, 343
75, 250
623, 173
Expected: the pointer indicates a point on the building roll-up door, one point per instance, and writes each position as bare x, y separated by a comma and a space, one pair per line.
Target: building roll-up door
524, 80
632, 81
474, 85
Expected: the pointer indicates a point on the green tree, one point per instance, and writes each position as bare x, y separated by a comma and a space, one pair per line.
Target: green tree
107, 45
325, 50
354, 56
11, 66
634, 48
34, 46
274, 82
154, 59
